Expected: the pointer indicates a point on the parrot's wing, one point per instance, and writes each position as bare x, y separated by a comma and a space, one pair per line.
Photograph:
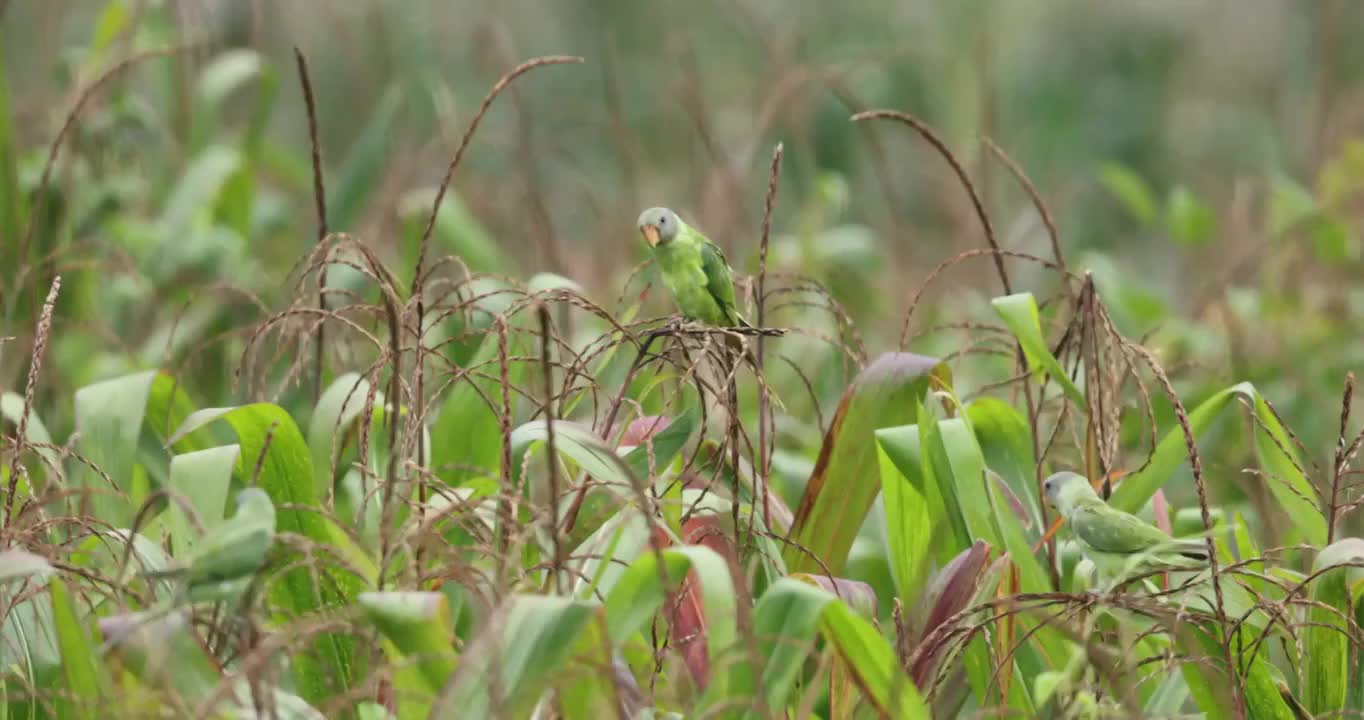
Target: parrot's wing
719, 280
1113, 531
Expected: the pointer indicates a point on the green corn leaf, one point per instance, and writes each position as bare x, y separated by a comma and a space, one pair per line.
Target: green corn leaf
287, 475
1277, 455
419, 629
529, 639
86, 680
203, 479
844, 483
1020, 315
1326, 639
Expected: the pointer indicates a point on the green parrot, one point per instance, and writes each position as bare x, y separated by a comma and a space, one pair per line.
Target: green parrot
226, 558
1114, 541
693, 268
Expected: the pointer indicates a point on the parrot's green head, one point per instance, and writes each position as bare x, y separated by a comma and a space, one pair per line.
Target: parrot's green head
1064, 489
659, 225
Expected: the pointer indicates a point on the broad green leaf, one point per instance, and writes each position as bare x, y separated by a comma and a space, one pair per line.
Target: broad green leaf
1019, 313
545, 282
419, 629
1278, 459
195, 193
1131, 190
30, 646
19, 564
1006, 442
1189, 220
663, 445
604, 556
203, 479
989, 516
109, 418
105, 551
85, 678
1210, 686
167, 407
338, 407
11, 411
1326, 639
227, 72
639, 593
574, 441
908, 524
1334, 241
466, 431
786, 621
844, 484
527, 641
287, 475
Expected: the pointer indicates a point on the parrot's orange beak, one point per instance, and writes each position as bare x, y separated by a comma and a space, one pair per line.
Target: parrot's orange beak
650, 234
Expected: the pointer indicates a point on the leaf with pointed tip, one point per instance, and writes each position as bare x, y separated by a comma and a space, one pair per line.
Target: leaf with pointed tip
530, 638
949, 592
844, 483
466, 432
1278, 458
786, 621
86, 679
109, 418
1006, 442
1326, 638
419, 629
909, 508
202, 479
11, 411
1131, 190
1020, 315
287, 476
641, 591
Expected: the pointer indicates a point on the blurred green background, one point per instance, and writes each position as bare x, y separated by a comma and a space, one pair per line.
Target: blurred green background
1202, 159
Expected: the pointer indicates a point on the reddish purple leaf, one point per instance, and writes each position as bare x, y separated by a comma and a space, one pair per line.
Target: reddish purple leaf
949, 593
685, 612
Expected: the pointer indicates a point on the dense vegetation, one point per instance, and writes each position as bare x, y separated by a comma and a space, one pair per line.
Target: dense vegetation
508, 483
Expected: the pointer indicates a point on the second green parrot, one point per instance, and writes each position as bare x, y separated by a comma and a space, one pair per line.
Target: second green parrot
693, 269
1113, 540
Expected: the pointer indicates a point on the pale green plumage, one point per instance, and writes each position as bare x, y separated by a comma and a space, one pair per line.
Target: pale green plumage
1112, 539
693, 268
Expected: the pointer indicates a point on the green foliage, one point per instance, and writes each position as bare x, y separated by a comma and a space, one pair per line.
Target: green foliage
858, 532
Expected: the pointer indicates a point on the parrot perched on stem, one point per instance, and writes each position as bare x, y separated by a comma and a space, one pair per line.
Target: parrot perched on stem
1115, 541
697, 274
693, 268
226, 558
